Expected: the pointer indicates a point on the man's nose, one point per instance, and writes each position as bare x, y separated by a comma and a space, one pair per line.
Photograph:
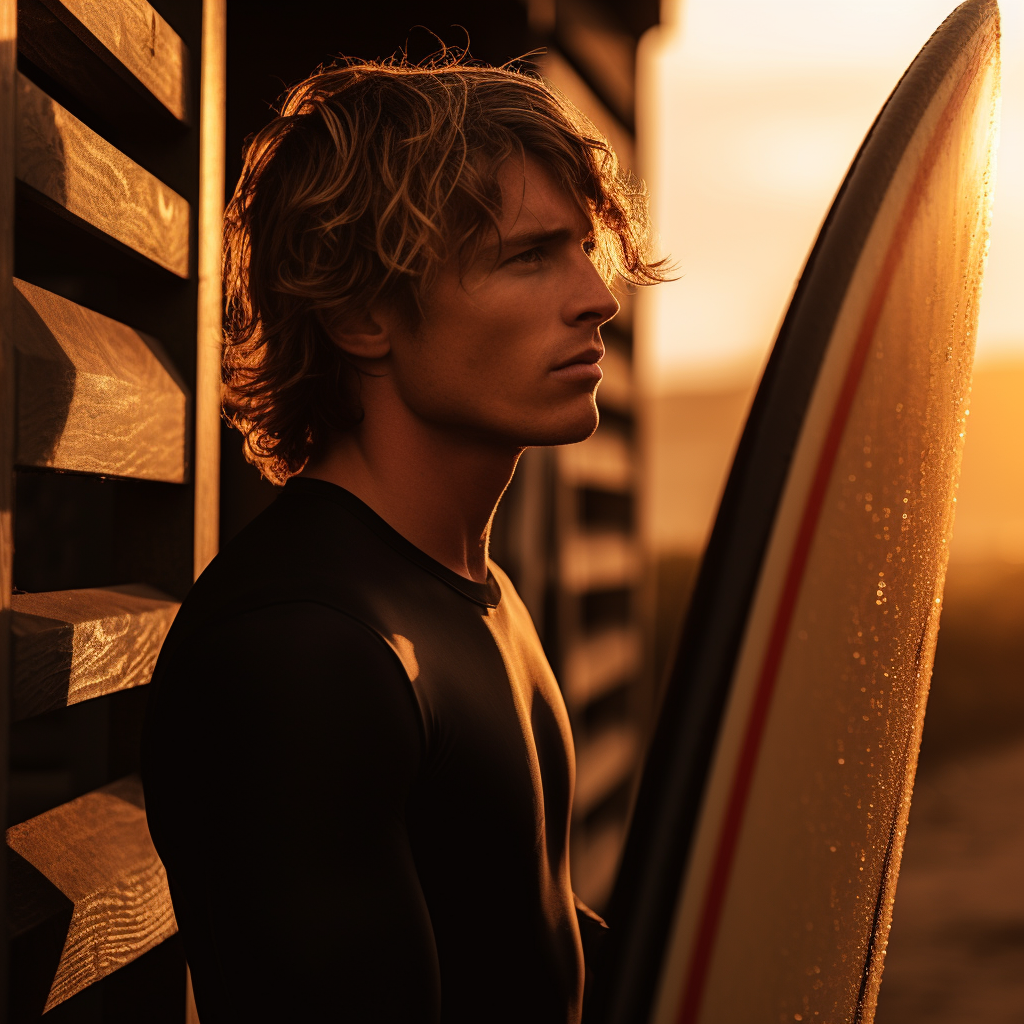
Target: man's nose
593, 301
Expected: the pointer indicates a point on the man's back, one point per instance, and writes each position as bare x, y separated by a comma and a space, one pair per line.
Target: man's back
358, 773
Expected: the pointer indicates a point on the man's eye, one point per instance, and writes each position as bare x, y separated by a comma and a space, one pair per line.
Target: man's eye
534, 255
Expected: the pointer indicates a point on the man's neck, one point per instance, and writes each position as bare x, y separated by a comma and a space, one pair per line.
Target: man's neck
436, 487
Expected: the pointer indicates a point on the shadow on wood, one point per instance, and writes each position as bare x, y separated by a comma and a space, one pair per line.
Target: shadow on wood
38, 918
97, 852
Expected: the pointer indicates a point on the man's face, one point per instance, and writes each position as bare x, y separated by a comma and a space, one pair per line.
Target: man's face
508, 347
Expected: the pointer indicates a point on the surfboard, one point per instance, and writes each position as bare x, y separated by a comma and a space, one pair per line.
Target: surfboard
760, 868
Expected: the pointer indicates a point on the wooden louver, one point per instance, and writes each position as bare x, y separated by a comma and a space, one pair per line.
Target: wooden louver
94, 395
106, 334
86, 179
77, 645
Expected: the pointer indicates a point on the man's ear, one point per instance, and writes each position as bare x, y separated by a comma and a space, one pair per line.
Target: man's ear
361, 335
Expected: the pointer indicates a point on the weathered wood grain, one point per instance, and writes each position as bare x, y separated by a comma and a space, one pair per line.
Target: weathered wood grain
97, 851
94, 395
84, 177
128, 36
74, 645
119, 56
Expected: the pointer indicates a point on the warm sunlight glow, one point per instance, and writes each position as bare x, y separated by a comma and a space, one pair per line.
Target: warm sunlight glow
751, 113
749, 116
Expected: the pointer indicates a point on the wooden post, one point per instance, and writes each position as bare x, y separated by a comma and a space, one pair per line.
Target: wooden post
212, 104
208, 347
8, 74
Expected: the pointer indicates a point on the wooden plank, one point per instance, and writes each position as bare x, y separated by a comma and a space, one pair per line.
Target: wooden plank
599, 561
89, 45
598, 664
8, 64
603, 460
94, 395
97, 851
602, 53
595, 858
566, 78
211, 303
602, 765
85, 178
74, 645
616, 388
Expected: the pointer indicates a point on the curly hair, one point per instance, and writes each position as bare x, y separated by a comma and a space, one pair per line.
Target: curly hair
370, 178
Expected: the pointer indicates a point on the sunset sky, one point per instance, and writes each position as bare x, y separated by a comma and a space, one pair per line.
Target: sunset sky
750, 115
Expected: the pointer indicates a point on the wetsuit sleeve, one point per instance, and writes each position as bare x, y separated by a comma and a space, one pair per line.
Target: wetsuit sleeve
283, 826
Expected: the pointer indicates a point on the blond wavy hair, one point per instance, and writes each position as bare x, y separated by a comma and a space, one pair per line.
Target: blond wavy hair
370, 178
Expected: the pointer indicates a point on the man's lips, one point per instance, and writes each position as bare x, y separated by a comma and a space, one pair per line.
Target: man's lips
581, 366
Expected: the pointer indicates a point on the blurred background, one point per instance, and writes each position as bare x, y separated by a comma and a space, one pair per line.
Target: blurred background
742, 117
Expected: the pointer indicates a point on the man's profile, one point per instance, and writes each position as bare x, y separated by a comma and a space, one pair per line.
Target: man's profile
358, 765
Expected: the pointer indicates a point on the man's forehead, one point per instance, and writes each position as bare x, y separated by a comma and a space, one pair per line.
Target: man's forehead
533, 199
535, 209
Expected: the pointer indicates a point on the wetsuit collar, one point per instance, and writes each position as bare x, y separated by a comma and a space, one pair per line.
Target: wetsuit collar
487, 594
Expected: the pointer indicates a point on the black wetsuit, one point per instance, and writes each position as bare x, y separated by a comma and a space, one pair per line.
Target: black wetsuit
358, 773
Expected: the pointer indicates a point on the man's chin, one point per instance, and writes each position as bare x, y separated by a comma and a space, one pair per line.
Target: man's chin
562, 434
540, 428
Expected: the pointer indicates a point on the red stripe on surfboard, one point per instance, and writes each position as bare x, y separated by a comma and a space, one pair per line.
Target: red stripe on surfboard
700, 960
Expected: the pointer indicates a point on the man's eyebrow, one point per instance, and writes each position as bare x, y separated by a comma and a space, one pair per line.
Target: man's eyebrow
527, 240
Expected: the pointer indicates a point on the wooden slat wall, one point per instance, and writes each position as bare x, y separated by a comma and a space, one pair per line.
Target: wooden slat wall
605, 560
600, 663
83, 391
602, 766
596, 665
604, 460
84, 177
601, 564
94, 395
567, 533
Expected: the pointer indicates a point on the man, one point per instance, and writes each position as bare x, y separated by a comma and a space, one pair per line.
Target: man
358, 765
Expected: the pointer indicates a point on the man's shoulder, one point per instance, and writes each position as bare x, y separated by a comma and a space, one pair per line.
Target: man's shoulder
319, 545
294, 552
304, 546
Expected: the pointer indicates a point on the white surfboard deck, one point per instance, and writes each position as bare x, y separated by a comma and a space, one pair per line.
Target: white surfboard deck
786, 883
